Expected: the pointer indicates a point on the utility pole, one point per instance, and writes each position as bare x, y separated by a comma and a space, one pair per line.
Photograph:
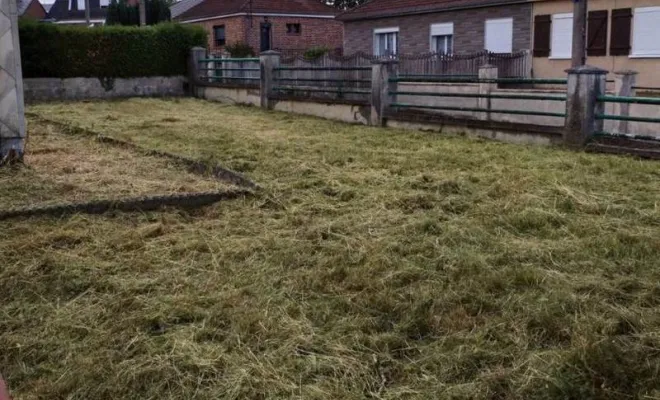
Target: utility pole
143, 13
87, 13
579, 56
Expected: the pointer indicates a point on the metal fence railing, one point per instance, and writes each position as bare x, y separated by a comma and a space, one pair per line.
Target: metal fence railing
354, 82
629, 100
230, 70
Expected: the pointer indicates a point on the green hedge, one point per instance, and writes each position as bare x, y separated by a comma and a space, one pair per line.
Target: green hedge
53, 51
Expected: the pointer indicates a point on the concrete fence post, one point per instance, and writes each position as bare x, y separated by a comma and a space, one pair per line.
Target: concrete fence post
12, 111
624, 85
194, 69
585, 84
381, 72
268, 61
486, 72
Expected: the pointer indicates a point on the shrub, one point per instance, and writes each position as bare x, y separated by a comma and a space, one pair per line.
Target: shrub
240, 50
52, 51
315, 53
122, 13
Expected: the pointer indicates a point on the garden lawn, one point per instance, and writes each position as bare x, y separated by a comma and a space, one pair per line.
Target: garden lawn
375, 263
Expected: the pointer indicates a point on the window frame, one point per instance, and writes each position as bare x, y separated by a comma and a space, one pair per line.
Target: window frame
293, 31
224, 34
553, 26
491, 20
634, 52
385, 31
447, 29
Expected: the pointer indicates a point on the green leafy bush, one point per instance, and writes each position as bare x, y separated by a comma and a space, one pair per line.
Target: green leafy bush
240, 50
315, 53
120, 12
54, 51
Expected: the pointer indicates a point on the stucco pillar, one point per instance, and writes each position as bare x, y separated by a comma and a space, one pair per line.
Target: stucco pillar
268, 60
585, 84
486, 73
381, 72
624, 83
12, 112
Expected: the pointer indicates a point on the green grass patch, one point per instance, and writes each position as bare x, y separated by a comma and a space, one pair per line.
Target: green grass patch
376, 264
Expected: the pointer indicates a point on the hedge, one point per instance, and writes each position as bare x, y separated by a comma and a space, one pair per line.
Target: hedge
54, 51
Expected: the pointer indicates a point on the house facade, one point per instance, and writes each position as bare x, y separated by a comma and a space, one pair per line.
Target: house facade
384, 27
72, 12
621, 35
264, 24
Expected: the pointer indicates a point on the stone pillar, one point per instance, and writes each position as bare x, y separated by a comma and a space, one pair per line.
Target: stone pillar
268, 60
381, 72
12, 112
486, 72
585, 84
194, 72
624, 83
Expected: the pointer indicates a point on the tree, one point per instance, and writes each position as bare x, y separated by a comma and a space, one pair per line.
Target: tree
122, 13
344, 4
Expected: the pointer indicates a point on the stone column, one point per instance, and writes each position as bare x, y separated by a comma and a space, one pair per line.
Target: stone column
381, 72
12, 112
194, 72
486, 72
585, 84
268, 60
624, 82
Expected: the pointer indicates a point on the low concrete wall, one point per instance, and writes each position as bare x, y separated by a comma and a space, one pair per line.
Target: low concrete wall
55, 89
351, 113
234, 95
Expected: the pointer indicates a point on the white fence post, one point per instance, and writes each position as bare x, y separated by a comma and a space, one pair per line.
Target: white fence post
585, 84
624, 83
381, 72
12, 109
269, 60
486, 72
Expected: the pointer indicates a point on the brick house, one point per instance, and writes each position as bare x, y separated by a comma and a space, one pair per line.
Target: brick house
30, 9
446, 26
263, 24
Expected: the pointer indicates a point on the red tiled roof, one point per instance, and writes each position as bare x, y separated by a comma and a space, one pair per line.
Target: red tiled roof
213, 8
387, 8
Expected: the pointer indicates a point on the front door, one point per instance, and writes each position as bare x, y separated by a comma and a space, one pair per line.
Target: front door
265, 36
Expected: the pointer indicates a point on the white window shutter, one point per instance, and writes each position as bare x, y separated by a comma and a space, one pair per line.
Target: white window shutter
499, 35
442, 29
561, 42
81, 4
646, 32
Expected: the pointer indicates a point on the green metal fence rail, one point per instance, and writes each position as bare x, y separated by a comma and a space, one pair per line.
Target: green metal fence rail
218, 78
645, 88
339, 91
438, 76
475, 80
485, 96
323, 80
230, 69
228, 60
627, 118
629, 100
322, 69
485, 110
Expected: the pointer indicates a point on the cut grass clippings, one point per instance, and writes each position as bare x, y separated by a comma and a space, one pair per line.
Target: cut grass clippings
65, 169
380, 264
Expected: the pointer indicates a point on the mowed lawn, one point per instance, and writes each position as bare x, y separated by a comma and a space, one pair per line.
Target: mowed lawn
375, 263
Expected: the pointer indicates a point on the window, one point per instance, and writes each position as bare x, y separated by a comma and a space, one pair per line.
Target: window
386, 41
442, 38
646, 31
561, 42
499, 35
105, 3
219, 35
77, 5
293, 29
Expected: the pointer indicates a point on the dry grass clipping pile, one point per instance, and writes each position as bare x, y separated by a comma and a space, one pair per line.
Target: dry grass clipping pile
61, 169
381, 264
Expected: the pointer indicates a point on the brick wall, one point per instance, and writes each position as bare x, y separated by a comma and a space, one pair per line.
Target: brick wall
415, 30
314, 32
